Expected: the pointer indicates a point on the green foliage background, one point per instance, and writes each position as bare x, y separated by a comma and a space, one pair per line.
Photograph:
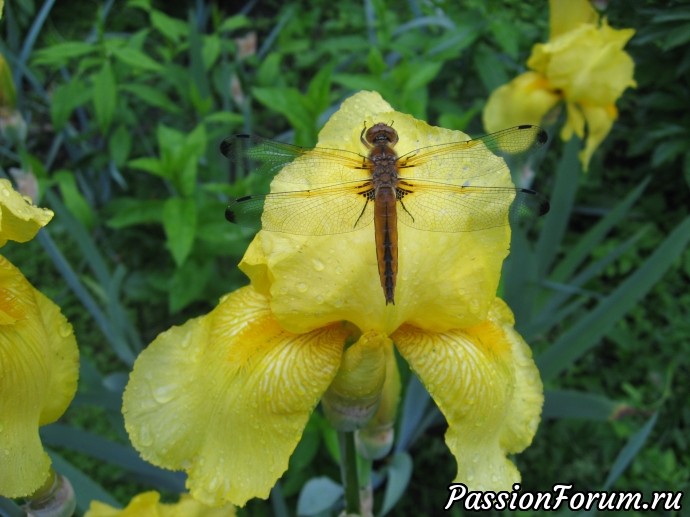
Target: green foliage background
125, 104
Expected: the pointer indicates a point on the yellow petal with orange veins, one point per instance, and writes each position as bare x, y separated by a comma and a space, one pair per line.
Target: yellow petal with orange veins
226, 397
39, 367
474, 378
445, 280
148, 504
20, 220
566, 15
524, 100
524, 412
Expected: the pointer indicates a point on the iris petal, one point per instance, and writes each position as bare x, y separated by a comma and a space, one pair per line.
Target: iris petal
226, 397
486, 385
19, 219
445, 280
39, 366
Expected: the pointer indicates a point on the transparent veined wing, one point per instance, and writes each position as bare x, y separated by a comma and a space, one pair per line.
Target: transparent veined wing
439, 207
458, 162
315, 166
320, 211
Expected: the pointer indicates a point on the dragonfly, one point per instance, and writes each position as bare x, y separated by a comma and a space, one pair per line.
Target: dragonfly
446, 187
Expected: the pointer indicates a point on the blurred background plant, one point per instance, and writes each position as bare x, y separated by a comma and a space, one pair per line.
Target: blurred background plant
119, 110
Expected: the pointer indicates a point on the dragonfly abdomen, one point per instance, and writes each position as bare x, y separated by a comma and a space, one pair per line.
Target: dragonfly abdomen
386, 230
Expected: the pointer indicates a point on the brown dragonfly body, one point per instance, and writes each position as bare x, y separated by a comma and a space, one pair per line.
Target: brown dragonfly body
381, 138
449, 187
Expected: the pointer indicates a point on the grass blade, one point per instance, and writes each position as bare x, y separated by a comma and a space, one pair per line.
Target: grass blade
588, 332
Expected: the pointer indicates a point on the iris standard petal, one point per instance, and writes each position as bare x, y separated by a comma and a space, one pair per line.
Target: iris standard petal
588, 64
473, 377
445, 280
226, 397
19, 219
39, 366
567, 15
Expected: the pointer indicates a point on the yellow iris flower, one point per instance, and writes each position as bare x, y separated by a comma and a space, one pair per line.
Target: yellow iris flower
226, 396
148, 504
583, 64
39, 359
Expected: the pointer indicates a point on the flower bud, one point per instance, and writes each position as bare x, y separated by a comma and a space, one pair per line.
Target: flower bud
355, 393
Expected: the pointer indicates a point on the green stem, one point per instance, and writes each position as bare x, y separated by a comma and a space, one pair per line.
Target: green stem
348, 471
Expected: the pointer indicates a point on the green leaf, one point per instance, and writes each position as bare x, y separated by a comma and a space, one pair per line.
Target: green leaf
399, 472
503, 30
375, 62
179, 223
224, 117
131, 211
185, 160
85, 489
319, 90
589, 330
585, 246
59, 54
104, 96
119, 145
578, 404
171, 28
188, 284
234, 22
318, 495
288, 102
66, 98
422, 73
269, 72
58, 435
562, 199
490, 68
151, 165
135, 59
75, 202
629, 452
153, 96
210, 51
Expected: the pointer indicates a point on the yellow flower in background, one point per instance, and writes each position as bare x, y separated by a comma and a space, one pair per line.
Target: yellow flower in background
226, 396
583, 64
19, 219
148, 504
39, 359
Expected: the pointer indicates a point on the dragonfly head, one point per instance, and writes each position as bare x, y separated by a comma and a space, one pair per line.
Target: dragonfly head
380, 134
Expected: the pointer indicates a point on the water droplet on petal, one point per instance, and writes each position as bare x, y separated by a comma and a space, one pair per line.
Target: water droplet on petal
164, 394
318, 265
302, 287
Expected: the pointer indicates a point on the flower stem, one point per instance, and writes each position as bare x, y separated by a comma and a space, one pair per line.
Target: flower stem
348, 471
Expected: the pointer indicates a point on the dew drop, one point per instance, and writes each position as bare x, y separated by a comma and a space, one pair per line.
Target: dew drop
302, 287
64, 329
164, 394
318, 265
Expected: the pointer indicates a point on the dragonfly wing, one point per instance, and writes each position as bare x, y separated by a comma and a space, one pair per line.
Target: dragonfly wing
462, 161
439, 207
317, 166
320, 211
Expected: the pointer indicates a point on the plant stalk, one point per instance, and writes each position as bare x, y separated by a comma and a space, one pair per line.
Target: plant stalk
348, 471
